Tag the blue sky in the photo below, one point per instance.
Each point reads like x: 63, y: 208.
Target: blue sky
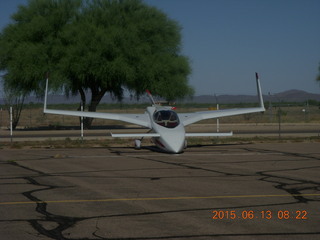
x: 227, y: 41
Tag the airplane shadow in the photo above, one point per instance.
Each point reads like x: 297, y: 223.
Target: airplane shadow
x: 126, y: 150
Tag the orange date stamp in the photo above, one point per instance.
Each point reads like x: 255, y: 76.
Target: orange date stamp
x: 265, y: 214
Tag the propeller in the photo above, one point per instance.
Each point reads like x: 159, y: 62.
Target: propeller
x: 151, y: 97
x: 158, y: 103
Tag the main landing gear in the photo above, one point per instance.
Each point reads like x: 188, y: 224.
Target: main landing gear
x: 137, y: 144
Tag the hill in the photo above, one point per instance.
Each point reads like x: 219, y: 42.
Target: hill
x: 286, y: 96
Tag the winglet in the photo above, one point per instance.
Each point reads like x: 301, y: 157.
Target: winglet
x: 45, y: 97
x: 259, y: 92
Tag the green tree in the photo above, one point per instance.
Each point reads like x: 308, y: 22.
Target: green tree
x: 93, y: 48
x: 28, y: 46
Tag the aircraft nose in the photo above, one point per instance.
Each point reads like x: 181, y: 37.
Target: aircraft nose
x: 178, y: 148
x: 175, y: 143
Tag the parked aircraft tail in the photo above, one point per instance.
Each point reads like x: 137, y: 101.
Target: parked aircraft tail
x: 259, y: 91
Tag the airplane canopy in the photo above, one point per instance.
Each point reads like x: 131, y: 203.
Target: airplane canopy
x: 166, y: 118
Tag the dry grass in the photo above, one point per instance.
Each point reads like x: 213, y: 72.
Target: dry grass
x: 34, y: 117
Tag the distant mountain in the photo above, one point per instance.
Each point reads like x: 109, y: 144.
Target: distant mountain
x: 297, y: 96
x: 287, y: 96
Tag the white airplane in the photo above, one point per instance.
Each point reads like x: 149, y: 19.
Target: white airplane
x: 167, y: 128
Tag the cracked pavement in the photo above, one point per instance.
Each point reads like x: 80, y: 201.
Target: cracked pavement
x: 122, y: 193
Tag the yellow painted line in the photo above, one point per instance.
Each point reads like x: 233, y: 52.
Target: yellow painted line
x: 157, y: 199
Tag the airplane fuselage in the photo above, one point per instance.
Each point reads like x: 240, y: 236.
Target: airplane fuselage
x: 167, y: 124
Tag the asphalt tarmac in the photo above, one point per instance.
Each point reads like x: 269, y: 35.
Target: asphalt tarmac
x: 243, y: 191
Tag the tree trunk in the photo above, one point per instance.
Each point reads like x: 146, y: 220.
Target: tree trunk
x: 16, y: 102
x: 83, y: 102
x: 96, y: 97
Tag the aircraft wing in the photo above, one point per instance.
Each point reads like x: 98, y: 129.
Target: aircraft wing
x: 213, y: 134
x: 189, y: 118
x: 134, y: 135
x: 139, y: 119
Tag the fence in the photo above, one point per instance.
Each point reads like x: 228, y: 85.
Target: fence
x: 33, y: 117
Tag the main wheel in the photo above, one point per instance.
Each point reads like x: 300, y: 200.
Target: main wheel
x: 137, y: 144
